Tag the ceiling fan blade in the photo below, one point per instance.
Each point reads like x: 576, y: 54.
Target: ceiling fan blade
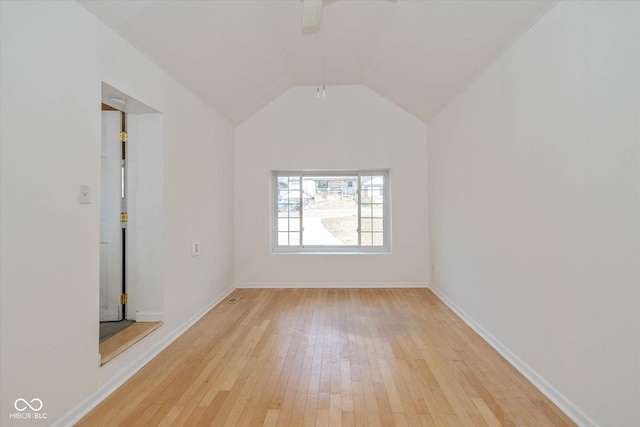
x: 311, y: 13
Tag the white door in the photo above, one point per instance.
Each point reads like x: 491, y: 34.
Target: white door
x: 110, y: 228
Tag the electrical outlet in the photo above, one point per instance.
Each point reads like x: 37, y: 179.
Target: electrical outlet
x: 195, y: 247
x: 84, y: 194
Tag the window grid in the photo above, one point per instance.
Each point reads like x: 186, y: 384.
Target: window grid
x: 372, y: 217
x: 296, y: 192
x: 287, y: 236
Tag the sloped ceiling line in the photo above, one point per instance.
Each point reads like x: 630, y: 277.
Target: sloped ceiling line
x: 241, y: 55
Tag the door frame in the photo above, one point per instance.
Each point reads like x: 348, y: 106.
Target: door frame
x: 144, y: 251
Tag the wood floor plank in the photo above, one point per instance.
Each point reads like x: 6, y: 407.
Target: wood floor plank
x: 328, y: 357
x: 488, y: 416
x: 335, y: 410
x: 271, y: 418
x: 322, y: 419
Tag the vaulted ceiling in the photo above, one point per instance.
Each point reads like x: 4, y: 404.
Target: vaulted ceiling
x: 240, y: 55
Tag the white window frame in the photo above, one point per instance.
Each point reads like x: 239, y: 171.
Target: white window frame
x: 328, y: 249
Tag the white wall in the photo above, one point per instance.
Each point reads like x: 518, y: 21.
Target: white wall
x: 50, y: 144
x: 534, y: 206
x: 352, y: 128
x: 198, y: 204
x: 54, y: 56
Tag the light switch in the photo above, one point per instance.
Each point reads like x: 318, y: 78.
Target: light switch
x: 195, y: 247
x: 84, y: 194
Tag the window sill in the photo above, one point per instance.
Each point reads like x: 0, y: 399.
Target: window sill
x: 320, y: 252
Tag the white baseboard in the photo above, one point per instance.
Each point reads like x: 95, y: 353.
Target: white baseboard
x: 561, y: 401
x: 80, y: 410
x: 336, y: 285
x: 149, y: 316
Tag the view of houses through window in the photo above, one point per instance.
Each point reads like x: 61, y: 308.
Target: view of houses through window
x: 342, y: 211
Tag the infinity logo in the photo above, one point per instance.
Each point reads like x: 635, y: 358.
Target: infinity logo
x: 22, y: 405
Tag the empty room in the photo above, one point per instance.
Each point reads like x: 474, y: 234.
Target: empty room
x: 320, y: 213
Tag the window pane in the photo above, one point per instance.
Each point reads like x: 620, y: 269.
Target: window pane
x: 330, y: 210
x: 366, y: 224
x: 283, y: 239
x: 378, y: 224
x: 366, y: 210
x: 294, y: 224
x: 378, y: 239
x: 366, y: 239
x: 294, y: 239
x: 283, y: 224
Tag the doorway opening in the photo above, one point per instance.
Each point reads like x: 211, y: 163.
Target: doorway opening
x: 113, y: 223
x: 131, y: 222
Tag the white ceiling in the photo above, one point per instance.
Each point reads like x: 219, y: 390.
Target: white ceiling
x: 240, y: 55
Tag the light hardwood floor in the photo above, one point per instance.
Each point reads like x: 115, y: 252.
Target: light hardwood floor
x: 328, y: 357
